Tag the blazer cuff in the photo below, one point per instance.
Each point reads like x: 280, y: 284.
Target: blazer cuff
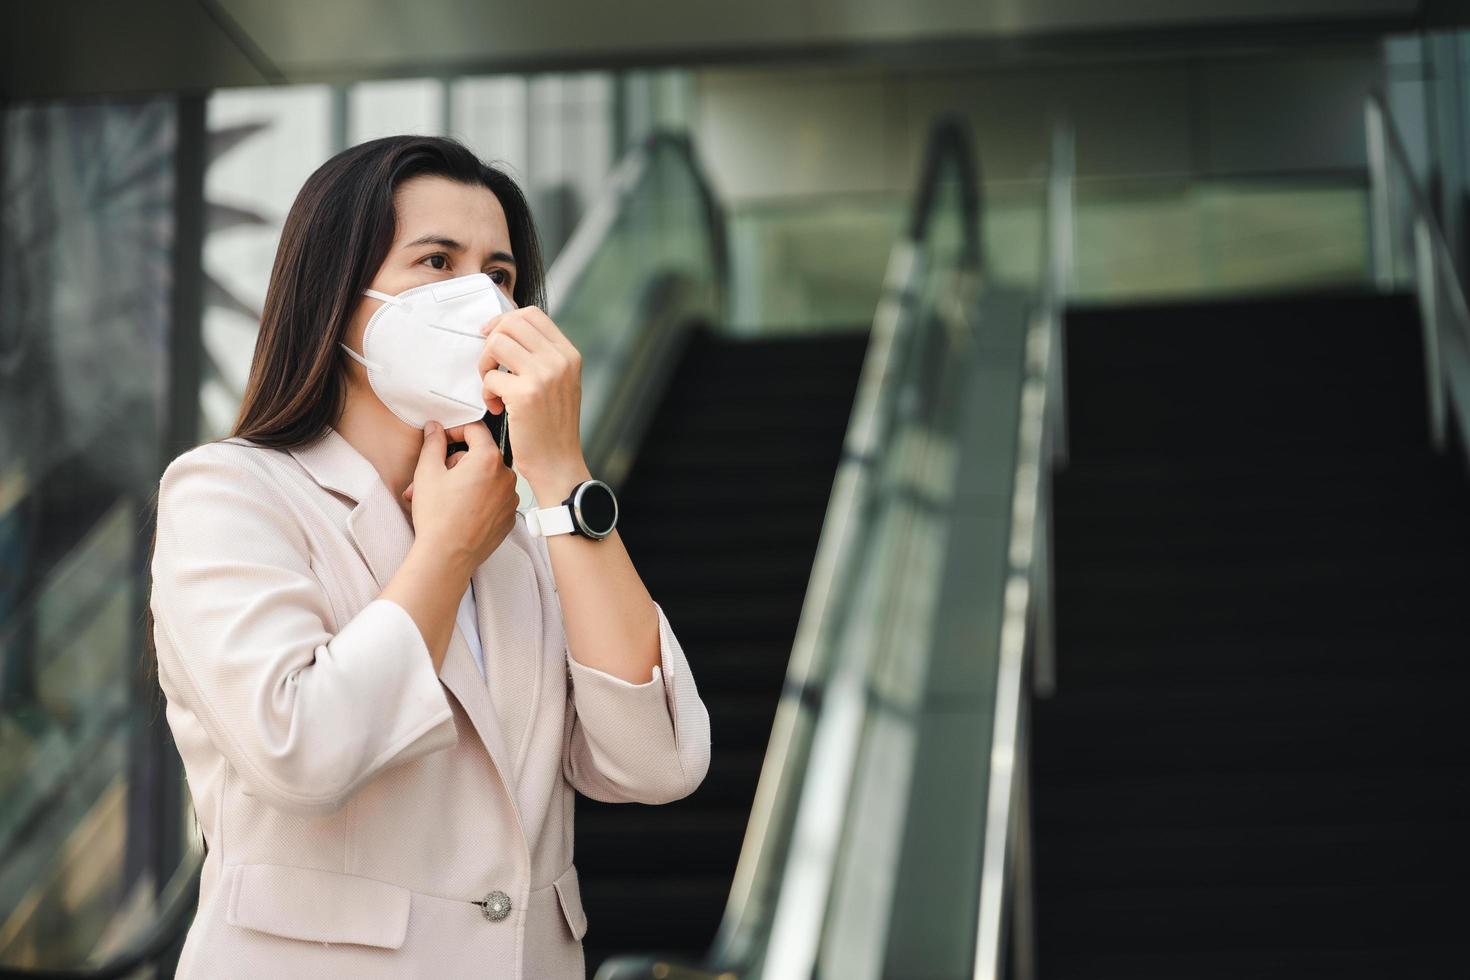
x: 618, y: 689
x: 664, y: 711
x: 424, y: 718
x: 387, y: 691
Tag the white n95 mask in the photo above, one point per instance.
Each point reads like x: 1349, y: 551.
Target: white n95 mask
x: 422, y: 349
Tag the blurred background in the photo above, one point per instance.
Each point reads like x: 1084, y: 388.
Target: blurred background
x: 1042, y: 421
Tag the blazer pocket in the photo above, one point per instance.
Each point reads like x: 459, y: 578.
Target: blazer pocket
x: 569, y: 891
x: 318, y: 906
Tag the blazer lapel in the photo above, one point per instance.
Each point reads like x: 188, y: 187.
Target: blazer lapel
x: 461, y: 675
x: 382, y: 535
x: 508, y: 612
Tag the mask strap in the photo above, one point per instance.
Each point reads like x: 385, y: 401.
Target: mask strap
x: 385, y: 297
x: 356, y: 356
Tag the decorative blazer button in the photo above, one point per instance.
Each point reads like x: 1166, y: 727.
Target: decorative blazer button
x: 495, y: 905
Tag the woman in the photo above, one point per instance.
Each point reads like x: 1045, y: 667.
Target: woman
x: 383, y: 686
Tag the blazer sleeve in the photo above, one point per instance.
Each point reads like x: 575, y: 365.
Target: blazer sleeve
x: 638, y: 743
x: 304, y: 715
x: 633, y: 743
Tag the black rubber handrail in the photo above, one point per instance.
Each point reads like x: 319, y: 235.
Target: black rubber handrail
x: 626, y: 176
x: 644, y: 359
x: 714, y: 211
x: 950, y: 141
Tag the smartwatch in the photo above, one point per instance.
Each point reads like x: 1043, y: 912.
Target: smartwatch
x: 591, y: 510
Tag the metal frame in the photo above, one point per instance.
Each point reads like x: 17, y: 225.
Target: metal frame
x: 1061, y: 206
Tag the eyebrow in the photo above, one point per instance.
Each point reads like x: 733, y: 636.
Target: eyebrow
x: 456, y: 246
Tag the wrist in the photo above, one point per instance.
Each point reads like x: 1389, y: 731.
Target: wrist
x: 552, y: 487
x: 450, y: 562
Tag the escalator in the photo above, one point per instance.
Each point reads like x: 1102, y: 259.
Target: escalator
x: 722, y: 509
x: 1252, y: 764
x: 737, y: 452
x: 1152, y: 667
x: 843, y: 625
x: 1249, y: 763
x: 1128, y: 645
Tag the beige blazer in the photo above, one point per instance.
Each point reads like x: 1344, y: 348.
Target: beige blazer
x: 365, y: 816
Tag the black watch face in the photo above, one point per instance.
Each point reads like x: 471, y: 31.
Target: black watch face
x: 598, y: 508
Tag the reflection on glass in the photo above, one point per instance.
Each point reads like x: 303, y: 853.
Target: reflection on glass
x: 812, y: 263
x: 657, y: 250
x: 1158, y: 237
x: 85, y: 265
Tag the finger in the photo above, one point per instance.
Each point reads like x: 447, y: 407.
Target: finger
x: 508, y: 350
x: 431, y: 453
x: 542, y: 321
x: 482, y: 443
x: 488, y: 361
x: 455, y: 457
x: 500, y: 386
x: 531, y: 336
x: 408, y: 493
x: 489, y: 324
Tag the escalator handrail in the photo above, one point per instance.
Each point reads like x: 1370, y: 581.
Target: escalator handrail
x: 1446, y: 350
x: 1395, y: 148
x: 614, y: 417
x: 566, y: 271
x: 949, y: 145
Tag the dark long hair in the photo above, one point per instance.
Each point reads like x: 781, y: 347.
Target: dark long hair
x: 336, y: 235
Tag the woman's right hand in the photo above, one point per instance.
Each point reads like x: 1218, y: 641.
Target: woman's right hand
x: 462, y: 508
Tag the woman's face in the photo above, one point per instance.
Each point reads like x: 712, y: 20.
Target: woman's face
x: 445, y: 229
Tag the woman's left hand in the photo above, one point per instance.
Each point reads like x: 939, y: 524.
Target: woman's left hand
x: 543, y: 390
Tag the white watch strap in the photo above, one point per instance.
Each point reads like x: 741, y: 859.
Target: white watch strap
x: 549, y: 520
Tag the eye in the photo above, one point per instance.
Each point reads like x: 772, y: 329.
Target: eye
x: 437, y: 261
x: 504, y: 276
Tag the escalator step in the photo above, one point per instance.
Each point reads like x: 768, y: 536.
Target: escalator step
x: 702, y: 841
x: 1252, y: 764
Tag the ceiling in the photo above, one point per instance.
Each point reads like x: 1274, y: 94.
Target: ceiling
x: 83, y: 48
